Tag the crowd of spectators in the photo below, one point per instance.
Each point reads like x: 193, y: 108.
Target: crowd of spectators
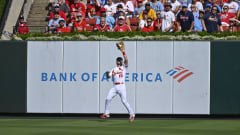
x: 144, y: 15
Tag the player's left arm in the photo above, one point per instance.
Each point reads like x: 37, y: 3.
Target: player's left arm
x: 125, y: 58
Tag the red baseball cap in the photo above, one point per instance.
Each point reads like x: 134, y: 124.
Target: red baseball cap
x: 139, y: 0
x: 102, y: 10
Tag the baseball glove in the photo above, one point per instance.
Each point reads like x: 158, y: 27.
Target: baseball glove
x: 120, y: 46
x: 108, y: 76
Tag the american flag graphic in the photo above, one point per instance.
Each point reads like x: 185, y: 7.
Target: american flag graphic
x: 180, y: 73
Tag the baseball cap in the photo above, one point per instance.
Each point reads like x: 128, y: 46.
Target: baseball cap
x: 102, y: 10
x: 139, y: 0
x: 121, y: 17
x: 21, y: 17
x: 56, y: 5
x: 79, y: 14
x: 209, y: 5
x: 119, y: 6
x: 184, y: 5
x: 62, y: 20
x: 147, y: 4
x: 168, y: 4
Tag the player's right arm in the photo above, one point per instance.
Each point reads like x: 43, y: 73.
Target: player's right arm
x: 110, y: 74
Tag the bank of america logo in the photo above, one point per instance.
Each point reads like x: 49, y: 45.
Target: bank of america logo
x: 179, y: 73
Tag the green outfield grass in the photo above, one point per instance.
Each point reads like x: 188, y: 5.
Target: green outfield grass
x: 118, y: 127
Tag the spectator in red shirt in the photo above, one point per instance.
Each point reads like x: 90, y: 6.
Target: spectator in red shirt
x: 80, y: 24
x: 158, y: 22
x: 121, y: 27
x: 22, y: 28
x: 148, y: 27
x: 57, y: 9
x: 102, y: 27
x: 225, y: 16
x: 93, y: 9
x: 77, y: 7
x: 62, y: 27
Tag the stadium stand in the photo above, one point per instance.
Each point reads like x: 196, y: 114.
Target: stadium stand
x: 43, y: 11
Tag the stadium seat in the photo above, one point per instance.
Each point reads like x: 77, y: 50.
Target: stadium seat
x: 91, y: 21
x: 134, y: 21
x: 225, y: 28
x: 89, y: 28
x: 133, y: 28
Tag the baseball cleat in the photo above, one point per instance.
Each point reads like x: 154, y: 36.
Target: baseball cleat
x: 104, y: 116
x: 131, y: 118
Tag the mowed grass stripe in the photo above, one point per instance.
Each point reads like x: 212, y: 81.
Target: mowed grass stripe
x: 117, y: 127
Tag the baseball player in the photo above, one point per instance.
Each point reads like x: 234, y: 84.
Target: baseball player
x: 119, y: 88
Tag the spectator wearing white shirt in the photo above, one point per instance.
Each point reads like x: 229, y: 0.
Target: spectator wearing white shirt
x: 233, y: 6
x: 128, y: 8
x: 175, y: 6
x: 168, y: 18
x: 198, y: 5
x: 110, y: 8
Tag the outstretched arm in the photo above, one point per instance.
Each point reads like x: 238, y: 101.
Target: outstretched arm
x: 125, y: 58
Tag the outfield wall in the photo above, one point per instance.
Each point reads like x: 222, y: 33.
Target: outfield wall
x: 164, y: 77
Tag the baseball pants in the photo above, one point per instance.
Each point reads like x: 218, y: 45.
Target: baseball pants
x: 121, y: 91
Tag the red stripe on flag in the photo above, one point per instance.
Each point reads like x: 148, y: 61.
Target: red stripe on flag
x: 185, y: 76
x: 177, y: 69
x: 177, y: 75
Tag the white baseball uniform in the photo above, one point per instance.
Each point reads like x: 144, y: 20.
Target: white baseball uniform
x: 118, y: 88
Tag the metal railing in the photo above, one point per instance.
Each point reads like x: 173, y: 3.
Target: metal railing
x: 5, y: 15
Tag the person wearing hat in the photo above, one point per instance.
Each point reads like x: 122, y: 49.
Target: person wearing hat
x: 168, y: 18
x: 149, y: 27
x: 208, y: 8
x: 226, y: 16
x: 151, y: 12
x: 186, y: 19
x: 110, y: 21
x: 139, y: 8
x: 54, y: 23
x: 121, y: 27
x: 156, y: 5
x: 80, y: 24
x: 198, y: 5
x: 57, y: 10
x: 102, y: 27
x: 212, y: 21
x: 110, y: 8
x: 119, y: 10
x: 62, y: 27
x: 22, y: 26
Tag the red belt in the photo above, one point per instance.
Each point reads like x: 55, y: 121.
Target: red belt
x: 117, y: 83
